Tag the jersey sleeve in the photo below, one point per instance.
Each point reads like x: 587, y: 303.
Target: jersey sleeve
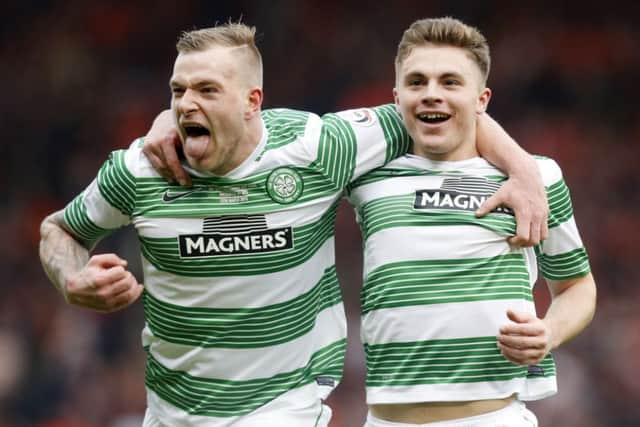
x: 562, y: 256
x: 107, y: 203
x: 354, y: 142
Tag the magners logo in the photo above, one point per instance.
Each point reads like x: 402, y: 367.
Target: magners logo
x: 465, y: 193
x: 235, y: 235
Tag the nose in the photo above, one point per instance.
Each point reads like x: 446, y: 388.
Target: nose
x: 432, y: 93
x: 187, y: 102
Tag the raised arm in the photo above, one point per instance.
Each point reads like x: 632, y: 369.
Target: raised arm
x: 161, y: 147
x: 100, y: 282
x: 523, y: 192
x: 529, y: 339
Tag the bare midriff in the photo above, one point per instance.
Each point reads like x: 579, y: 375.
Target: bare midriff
x: 429, y: 412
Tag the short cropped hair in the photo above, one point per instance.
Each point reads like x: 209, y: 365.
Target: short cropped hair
x: 231, y: 34
x: 446, y: 31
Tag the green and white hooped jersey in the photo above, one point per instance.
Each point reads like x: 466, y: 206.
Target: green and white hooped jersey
x: 438, y: 281
x: 241, y: 299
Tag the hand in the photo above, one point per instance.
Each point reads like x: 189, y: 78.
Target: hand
x: 160, y: 147
x: 528, y: 200
x: 527, y: 341
x: 103, y: 285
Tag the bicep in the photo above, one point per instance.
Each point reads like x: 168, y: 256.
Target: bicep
x: 55, y: 224
x: 584, y: 284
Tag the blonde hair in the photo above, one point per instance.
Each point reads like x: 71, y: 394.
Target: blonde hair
x: 231, y: 34
x: 446, y: 31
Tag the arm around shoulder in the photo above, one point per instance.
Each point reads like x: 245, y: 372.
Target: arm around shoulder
x: 161, y: 147
x: 524, y: 192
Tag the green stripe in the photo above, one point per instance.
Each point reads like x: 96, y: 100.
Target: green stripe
x: 423, y: 282
x: 443, y: 361
x: 336, y: 151
x: 76, y: 217
x: 564, y: 266
x: 395, y: 134
x: 284, y: 126
x: 560, y: 208
x: 398, y: 211
x: 242, y: 327
x: 117, y: 185
x: 164, y: 253
x: 225, y: 398
x: 210, y: 195
x: 390, y: 171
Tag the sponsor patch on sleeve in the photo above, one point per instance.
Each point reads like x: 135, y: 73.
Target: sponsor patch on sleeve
x: 360, y: 117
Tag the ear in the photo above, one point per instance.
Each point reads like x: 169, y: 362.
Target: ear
x: 483, y: 100
x: 254, y: 103
x: 396, y: 100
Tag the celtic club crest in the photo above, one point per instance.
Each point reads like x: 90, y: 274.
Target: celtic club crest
x: 284, y: 185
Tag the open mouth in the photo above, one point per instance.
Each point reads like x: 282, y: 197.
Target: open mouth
x: 196, y: 141
x: 433, y: 118
x: 195, y: 130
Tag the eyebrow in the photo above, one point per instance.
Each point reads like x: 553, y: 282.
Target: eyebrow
x: 198, y: 84
x: 452, y: 74
x: 445, y: 75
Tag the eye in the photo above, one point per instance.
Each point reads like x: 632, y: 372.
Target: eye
x: 451, y: 82
x: 209, y: 90
x: 416, y: 81
x: 177, y: 91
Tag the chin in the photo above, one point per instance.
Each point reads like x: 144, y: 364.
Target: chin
x: 433, y: 146
x: 196, y: 164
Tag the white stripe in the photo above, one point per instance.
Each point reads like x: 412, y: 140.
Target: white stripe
x: 550, y: 171
x: 439, y: 321
x: 371, y: 146
x: 138, y: 164
x: 531, y: 389
x: 301, y: 153
x: 245, y: 364
x: 100, y: 211
x: 399, y: 244
x: 563, y: 238
x: 159, y: 228
x: 395, y: 186
x: 295, y: 408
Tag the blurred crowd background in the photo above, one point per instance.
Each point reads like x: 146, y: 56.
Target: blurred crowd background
x: 82, y: 77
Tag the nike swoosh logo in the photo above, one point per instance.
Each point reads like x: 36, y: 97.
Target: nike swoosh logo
x: 169, y: 196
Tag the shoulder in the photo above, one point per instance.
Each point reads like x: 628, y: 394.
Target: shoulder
x: 286, y: 118
x: 286, y: 127
x: 549, y: 170
x: 134, y: 161
x: 363, y: 117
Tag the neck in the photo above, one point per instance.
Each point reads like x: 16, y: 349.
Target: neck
x: 462, y: 152
x: 245, y: 145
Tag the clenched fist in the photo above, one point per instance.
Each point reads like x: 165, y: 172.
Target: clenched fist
x: 104, y: 284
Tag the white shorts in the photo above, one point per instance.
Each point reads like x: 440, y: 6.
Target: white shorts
x: 291, y: 409
x: 515, y: 414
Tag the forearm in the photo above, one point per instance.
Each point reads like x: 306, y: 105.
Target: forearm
x: 498, y: 148
x: 571, y: 310
x: 61, y: 254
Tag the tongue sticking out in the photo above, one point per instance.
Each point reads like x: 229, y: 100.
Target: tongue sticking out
x: 195, y: 146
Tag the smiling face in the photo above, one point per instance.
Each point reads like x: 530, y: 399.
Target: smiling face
x: 439, y: 93
x: 215, y: 105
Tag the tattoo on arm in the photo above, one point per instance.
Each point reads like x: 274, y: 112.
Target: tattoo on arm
x: 61, y: 253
